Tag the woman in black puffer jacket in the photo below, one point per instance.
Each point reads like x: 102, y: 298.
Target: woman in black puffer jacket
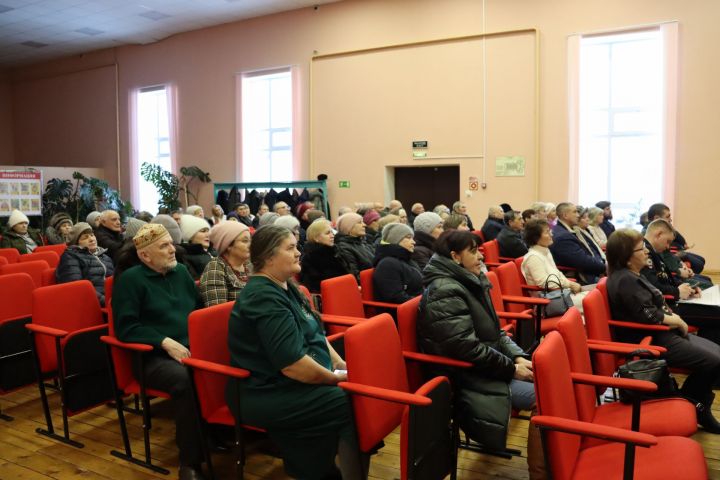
x: 84, y: 260
x: 396, y: 278
x: 320, y: 259
x: 456, y: 319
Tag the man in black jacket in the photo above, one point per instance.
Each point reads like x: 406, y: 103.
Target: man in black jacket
x: 510, y: 241
x: 606, y: 226
x: 109, y: 234
x: 494, y: 223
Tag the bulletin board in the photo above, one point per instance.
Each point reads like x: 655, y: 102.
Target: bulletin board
x: 21, y: 190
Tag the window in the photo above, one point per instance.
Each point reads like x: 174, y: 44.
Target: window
x: 152, y: 134
x: 622, y: 121
x: 267, y: 127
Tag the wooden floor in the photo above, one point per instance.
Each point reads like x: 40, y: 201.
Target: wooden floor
x: 24, y: 454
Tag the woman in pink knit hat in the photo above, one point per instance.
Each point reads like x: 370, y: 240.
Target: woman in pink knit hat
x: 226, y: 275
x: 352, y: 248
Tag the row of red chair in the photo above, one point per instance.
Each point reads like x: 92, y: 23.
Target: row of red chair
x: 50, y: 253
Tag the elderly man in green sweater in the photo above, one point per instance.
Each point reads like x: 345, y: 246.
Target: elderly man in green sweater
x: 151, y: 303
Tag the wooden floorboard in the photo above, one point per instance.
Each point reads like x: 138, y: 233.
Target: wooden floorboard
x: 25, y: 454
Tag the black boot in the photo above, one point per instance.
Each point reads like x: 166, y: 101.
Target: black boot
x: 705, y: 417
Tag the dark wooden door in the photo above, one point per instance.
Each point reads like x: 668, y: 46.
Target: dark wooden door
x: 428, y: 185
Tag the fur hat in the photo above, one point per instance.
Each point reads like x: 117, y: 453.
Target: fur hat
x: 170, y: 225
x: 192, y: 209
x: 58, y: 219
x: 347, y: 221
x: 77, y: 230
x: 287, y: 221
x: 223, y: 234
x: 395, y: 232
x: 92, y: 217
x: 267, y: 219
x: 370, y: 217
x: 149, y: 234
x: 426, y: 222
x: 133, y: 226
x: 190, y: 225
x: 17, y: 217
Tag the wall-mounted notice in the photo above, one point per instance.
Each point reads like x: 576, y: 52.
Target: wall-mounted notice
x: 510, y: 166
x: 21, y: 190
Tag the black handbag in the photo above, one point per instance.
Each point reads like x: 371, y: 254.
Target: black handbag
x: 560, y: 300
x: 651, y: 369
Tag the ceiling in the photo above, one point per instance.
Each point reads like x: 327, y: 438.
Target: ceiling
x: 37, y: 30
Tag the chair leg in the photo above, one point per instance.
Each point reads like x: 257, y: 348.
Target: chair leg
x: 455, y: 433
x: 202, y: 427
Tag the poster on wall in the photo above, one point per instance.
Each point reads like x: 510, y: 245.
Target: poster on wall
x: 21, y: 190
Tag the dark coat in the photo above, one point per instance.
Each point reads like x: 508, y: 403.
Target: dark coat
x: 10, y: 239
x: 396, y: 278
x: 372, y: 237
x: 424, y: 249
x: 658, y: 274
x: 491, y: 228
x: 77, y: 263
x: 110, y: 240
x: 511, y: 243
x: 196, y: 258
x: 456, y: 319
x: 319, y: 262
x: 569, y: 252
x: 607, y: 227
x: 355, y: 253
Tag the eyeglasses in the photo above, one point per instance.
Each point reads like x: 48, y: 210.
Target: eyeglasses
x: 641, y: 249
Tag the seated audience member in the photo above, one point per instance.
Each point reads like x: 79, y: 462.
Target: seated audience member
x: 228, y: 273
x: 262, y: 210
x: 355, y: 253
x: 396, y: 278
x: 455, y: 222
x: 292, y: 224
x: 529, y: 214
x: 456, y: 319
x: 371, y: 219
x: 538, y: 263
x: 606, y: 224
x: 392, y: 205
x: 58, y: 232
x: 493, y: 224
x: 552, y: 216
x: 218, y: 214
x: 583, y: 234
x: 633, y: 298
x: 268, y: 219
x: 401, y: 214
x: 313, y: 215
x: 195, y: 211
x: 643, y: 220
x: 320, y: 259
x: 596, y: 217
x: 133, y: 226
x: 428, y: 227
x: 109, y: 234
x: 658, y: 238
x: 281, y: 208
x: 292, y: 392
x: 84, y: 260
x: 697, y: 262
x: 19, y: 235
x: 442, y: 210
x: 510, y: 241
x: 151, y: 303
x: 93, y: 219
x: 302, y: 210
x: 175, y: 214
x: 415, y: 210
x: 460, y: 208
x: 569, y: 252
x: 196, y: 243
x: 384, y: 222
x: 540, y: 209
x: 144, y: 216
x: 343, y: 210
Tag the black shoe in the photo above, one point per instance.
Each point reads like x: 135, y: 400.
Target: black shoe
x: 187, y: 472
x: 706, y: 419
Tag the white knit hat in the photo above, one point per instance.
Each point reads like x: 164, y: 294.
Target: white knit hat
x: 190, y: 225
x: 17, y: 217
x: 426, y: 222
x: 192, y: 209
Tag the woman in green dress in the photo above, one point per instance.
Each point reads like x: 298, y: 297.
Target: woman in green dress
x: 292, y: 390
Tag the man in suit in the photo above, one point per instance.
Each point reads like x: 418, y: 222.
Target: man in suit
x: 567, y: 249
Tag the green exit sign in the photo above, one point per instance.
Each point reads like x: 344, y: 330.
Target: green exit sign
x: 344, y: 184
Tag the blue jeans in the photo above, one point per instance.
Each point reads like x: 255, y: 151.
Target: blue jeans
x: 522, y: 394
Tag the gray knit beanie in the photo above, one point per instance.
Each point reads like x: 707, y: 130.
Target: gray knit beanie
x: 170, y: 225
x: 92, y: 217
x: 395, y: 232
x: 132, y: 227
x: 268, y: 219
x: 426, y: 222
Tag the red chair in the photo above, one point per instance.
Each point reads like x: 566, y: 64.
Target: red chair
x: 10, y: 254
x: 35, y: 269
x: 662, y: 417
x: 48, y: 277
x: 109, y: 281
x: 367, y: 293
x: 52, y: 258
x: 3, y: 261
x: 210, y: 369
x: 59, y: 248
x: 16, y: 360
x: 563, y: 431
x: 491, y: 251
x: 66, y: 328
x: 341, y: 297
x: 382, y: 400
x: 479, y: 234
x: 507, y: 319
x: 120, y: 358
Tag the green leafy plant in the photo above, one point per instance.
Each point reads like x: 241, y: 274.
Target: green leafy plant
x: 170, y: 186
x: 188, y: 174
x: 87, y: 194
